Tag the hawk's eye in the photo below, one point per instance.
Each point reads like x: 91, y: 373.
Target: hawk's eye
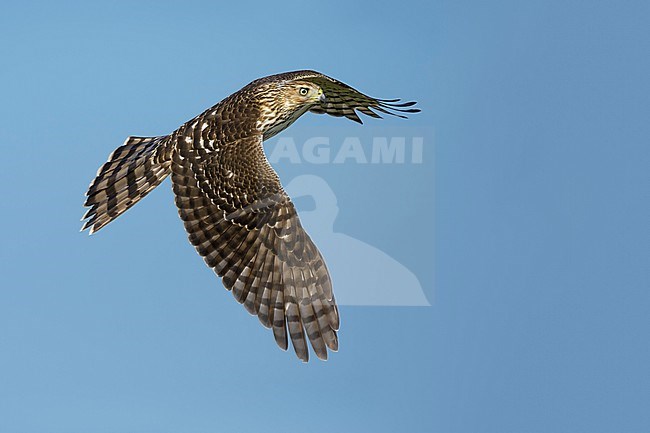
x: 303, y: 91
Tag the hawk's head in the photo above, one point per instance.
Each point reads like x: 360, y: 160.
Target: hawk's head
x: 282, y: 98
x: 298, y: 94
x: 282, y: 102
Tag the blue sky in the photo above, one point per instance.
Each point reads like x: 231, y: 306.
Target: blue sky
x: 526, y: 224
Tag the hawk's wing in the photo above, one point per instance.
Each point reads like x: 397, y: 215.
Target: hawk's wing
x: 343, y: 100
x: 245, y: 227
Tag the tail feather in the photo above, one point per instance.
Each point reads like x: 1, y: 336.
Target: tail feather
x: 132, y: 171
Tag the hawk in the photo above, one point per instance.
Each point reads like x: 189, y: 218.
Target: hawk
x: 232, y: 204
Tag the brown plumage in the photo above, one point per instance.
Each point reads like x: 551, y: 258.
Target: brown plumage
x: 232, y: 204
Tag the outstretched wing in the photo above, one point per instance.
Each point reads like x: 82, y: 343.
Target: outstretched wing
x: 245, y: 227
x: 343, y: 100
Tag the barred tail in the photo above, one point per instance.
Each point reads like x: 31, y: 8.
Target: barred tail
x: 132, y: 171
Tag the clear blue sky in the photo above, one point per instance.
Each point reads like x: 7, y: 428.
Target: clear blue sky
x: 526, y: 224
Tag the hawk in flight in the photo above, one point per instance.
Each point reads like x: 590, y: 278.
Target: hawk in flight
x: 232, y: 204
